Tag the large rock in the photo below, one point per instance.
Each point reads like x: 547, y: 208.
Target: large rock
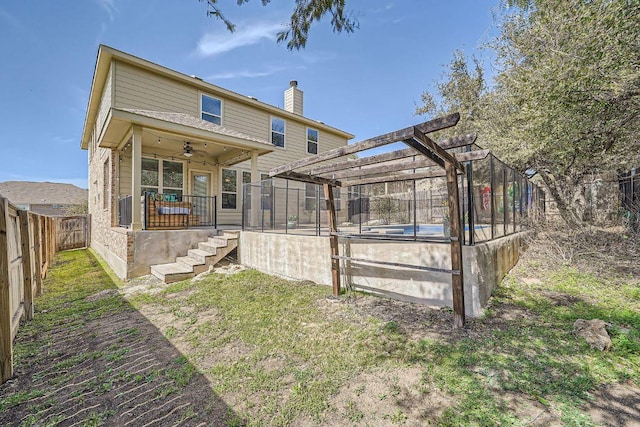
x: 594, y: 331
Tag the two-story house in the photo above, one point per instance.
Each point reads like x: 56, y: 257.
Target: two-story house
x: 168, y: 154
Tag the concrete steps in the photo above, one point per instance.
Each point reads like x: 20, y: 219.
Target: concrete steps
x: 197, y: 260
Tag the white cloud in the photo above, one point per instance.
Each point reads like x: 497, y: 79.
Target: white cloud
x: 110, y: 7
x: 62, y: 140
x: 221, y: 41
x: 244, y: 74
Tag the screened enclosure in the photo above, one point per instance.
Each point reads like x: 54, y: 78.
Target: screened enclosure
x: 495, y: 201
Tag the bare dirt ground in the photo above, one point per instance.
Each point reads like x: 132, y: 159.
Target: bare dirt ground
x: 108, y: 368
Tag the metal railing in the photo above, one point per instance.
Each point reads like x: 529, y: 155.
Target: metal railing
x: 171, y: 211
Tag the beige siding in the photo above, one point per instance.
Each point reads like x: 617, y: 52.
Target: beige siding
x: 105, y: 102
x: 124, y: 182
x: 295, y: 148
x: 250, y: 121
x: 138, y: 88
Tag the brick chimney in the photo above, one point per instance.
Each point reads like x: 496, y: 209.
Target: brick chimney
x: 293, y: 98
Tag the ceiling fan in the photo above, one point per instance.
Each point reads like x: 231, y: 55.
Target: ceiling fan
x: 189, y: 151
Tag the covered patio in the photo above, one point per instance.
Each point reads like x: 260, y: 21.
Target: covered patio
x: 169, y: 168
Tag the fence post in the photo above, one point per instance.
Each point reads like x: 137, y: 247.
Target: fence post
x: 37, y: 248
x: 27, y: 274
x: 6, y: 340
x: 333, y: 239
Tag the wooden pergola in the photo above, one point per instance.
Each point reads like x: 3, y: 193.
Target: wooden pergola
x: 424, y: 158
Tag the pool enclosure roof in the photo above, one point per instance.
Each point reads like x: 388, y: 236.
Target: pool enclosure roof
x: 424, y: 158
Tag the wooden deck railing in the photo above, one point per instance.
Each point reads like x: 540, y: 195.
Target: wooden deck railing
x: 27, y: 247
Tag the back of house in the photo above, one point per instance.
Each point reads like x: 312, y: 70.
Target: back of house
x: 169, y: 151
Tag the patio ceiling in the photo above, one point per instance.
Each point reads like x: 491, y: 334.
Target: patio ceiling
x: 167, y: 133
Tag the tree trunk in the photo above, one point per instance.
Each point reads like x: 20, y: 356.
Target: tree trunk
x: 563, y: 193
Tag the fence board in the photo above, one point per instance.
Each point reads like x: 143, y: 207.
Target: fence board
x: 27, y: 247
x: 6, y: 340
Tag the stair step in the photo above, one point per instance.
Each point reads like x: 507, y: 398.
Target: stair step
x: 212, y: 248
x: 221, y: 241
x: 172, y: 272
x: 196, y: 265
x: 200, y: 255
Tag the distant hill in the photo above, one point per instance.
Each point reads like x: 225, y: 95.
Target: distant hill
x: 46, y: 198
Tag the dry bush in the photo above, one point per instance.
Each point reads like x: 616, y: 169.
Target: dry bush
x: 604, y: 250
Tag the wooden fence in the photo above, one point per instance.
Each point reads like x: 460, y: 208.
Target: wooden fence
x: 72, y: 232
x: 27, y: 247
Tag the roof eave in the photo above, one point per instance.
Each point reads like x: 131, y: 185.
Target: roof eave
x: 106, y: 54
x: 181, y: 129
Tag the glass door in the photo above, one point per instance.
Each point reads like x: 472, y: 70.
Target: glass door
x: 202, y: 200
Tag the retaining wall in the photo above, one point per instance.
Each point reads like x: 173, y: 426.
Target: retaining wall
x: 308, y: 258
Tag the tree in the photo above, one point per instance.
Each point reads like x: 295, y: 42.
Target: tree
x: 566, y: 100
x: 568, y: 96
x: 461, y: 90
x: 304, y: 14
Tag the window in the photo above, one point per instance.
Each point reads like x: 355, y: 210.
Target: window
x: 310, y: 191
x: 277, y: 132
x: 229, y: 189
x: 312, y: 141
x: 211, y: 109
x: 162, y: 176
x: 314, y: 192
x: 105, y: 184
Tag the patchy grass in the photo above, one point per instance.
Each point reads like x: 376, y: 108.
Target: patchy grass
x: 284, y: 353
x: 89, y: 358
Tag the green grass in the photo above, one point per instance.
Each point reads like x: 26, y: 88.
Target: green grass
x: 539, y: 360
x: 281, y: 352
x: 64, y: 310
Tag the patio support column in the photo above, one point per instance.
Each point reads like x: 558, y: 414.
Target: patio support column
x: 136, y: 178
x: 256, y: 205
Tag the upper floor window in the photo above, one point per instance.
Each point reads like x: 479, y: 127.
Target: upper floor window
x: 211, y: 109
x: 312, y: 141
x: 277, y: 132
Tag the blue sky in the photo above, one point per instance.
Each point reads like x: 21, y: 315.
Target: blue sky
x: 366, y: 83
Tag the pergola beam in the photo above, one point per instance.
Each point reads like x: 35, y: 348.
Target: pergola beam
x: 383, y: 169
x: 448, y: 143
x: 312, y: 179
x: 367, y: 144
x: 365, y: 161
x: 471, y: 155
x: 403, y: 176
x: 429, y: 148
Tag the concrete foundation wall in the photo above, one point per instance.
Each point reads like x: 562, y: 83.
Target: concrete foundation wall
x: 308, y: 258
x: 293, y: 257
x: 162, y: 246
x: 146, y: 248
